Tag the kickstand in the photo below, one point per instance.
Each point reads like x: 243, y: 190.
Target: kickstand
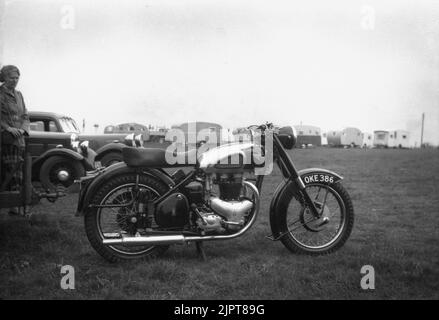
x: 200, y: 250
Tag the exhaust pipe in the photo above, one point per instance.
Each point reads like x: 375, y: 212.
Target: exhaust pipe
x: 153, y: 240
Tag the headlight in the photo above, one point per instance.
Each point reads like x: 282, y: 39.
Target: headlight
x: 139, y: 140
x: 74, y: 141
x: 83, y: 146
x: 129, y: 140
x: 288, y: 137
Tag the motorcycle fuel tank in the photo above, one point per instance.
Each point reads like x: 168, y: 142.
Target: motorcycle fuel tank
x: 229, y: 156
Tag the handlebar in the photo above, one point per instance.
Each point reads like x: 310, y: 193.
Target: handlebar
x: 262, y: 127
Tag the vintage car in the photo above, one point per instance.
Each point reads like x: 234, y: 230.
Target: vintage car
x: 108, y: 147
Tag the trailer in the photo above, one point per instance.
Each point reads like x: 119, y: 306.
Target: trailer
x: 399, y: 139
x: 308, y: 136
x: 348, y: 136
x: 381, y: 138
x: 391, y: 139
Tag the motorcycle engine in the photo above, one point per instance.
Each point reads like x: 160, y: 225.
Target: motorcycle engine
x: 221, y: 205
x: 227, y: 209
x: 230, y: 185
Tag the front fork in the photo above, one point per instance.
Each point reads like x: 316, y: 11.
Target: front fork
x: 289, y: 171
x: 316, y: 212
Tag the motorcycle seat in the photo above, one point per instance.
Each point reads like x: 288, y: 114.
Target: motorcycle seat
x: 158, y: 158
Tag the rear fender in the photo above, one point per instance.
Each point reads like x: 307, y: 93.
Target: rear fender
x: 90, y: 185
x: 286, y: 189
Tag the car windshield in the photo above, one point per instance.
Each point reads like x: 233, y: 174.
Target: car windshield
x: 68, y: 125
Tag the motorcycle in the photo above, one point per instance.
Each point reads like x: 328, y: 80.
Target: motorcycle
x: 135, y: 208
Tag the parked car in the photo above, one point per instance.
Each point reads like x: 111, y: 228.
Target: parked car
x: 108, y: 147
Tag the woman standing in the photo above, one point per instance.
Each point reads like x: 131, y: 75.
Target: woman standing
x: 14, y: 126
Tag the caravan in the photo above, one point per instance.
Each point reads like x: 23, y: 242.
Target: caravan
x: 399, y: 139
x: 391, y: 139
x: 308, y: 135
x: 381, y: 138
x: 346, y: 137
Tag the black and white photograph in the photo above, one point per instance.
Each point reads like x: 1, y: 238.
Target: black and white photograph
x: 219, y: 154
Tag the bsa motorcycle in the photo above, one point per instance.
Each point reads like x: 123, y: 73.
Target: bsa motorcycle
x: 135, y: 208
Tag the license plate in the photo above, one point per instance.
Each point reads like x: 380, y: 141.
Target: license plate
x: 318, y: 178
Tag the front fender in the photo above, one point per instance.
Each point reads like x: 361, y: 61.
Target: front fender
x: 285, y: 191
x: 88, y: 189
x: 64, y: 152
x: 318, y: 175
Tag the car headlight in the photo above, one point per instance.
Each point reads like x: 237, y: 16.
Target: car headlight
x: 138, y: 140
x: 83, y: 146
x: 74, y: 141
x: 129, y: 140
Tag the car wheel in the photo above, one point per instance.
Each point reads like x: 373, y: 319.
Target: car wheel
x: 111, y: 158
x: 60, y: 171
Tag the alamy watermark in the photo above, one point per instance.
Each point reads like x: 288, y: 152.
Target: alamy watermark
x: 368, y: 280
x: 254, y: 147
x: 68, y: 279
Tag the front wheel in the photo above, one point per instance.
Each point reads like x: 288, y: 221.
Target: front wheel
x: 301, y: 232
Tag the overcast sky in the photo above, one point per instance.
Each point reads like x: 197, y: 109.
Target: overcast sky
x: 368, y: 64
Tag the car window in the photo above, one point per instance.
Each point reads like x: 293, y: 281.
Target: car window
x: 68, y: 125
x: 36, y: 126
x: 52, y: 126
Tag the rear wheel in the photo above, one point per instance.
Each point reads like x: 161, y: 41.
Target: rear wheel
x: 101, y: 223
x: 302, y: 232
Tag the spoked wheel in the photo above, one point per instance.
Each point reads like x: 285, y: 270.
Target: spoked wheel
x: 114, y: 222
x: 302, y: 232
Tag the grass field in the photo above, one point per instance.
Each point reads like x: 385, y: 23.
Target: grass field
x: 396, y: 201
